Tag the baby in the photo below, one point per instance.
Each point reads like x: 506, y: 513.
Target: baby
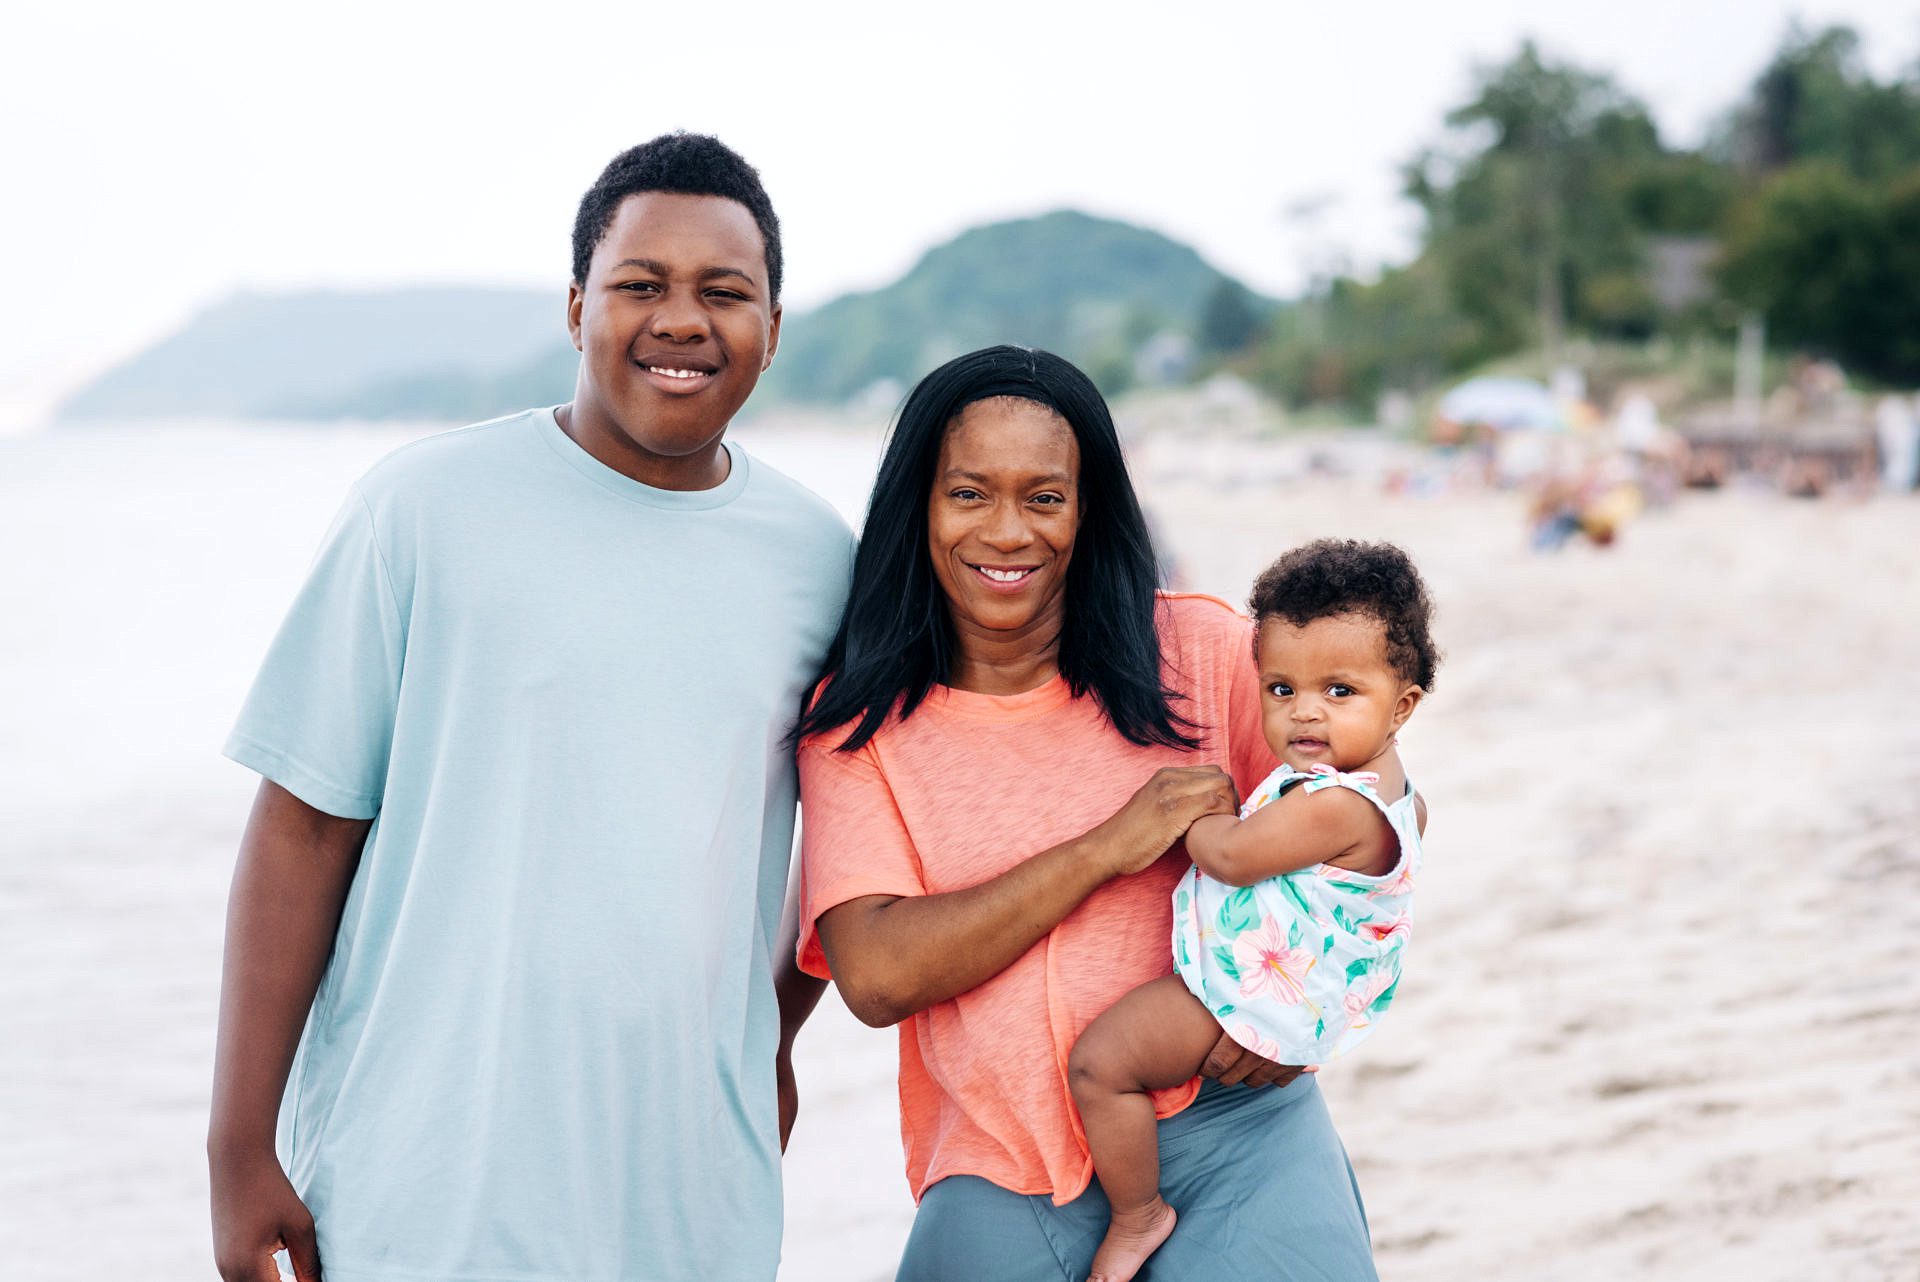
x: 1288, y: 930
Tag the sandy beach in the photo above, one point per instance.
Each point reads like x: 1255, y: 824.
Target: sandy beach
x: 1660, y: 1019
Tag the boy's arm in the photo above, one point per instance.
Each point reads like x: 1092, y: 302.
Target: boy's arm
x: 1298, y: 831
x: 291, y: 880
x: 798, y: 993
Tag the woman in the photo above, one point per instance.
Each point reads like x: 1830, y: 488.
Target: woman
x: 1009, y: 738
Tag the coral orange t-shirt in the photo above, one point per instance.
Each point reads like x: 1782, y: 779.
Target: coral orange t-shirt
x: 965, y: 789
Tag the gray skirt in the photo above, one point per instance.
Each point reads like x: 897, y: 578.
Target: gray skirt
x: 1259, y: 1178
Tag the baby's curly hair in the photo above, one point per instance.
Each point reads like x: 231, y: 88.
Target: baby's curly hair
x: 1329, y: 577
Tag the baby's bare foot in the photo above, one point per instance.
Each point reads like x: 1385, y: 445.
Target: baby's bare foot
x: 1131, y: 1238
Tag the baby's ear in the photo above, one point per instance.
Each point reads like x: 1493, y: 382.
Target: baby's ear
x: 1409, y: 700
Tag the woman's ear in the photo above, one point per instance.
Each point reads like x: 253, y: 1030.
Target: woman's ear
x: 1409, y: 700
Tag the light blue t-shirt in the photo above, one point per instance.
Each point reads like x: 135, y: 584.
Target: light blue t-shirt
x: 543, y: 1047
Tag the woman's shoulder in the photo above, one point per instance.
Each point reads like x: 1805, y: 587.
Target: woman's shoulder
x: 1197, y: 625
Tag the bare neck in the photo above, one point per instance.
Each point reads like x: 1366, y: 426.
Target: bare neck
x: 704, y: 469
x: 999, y: 662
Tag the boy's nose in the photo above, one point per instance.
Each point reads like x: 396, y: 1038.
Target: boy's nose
x: 677, y: 321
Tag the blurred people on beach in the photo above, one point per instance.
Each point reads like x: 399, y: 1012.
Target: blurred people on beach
x: 1896, y: 426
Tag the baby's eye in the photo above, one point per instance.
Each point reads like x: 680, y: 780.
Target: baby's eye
x: 1339, y: 691
x: 1280, y: 690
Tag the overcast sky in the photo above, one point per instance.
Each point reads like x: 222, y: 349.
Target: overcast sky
x: 163, y: 156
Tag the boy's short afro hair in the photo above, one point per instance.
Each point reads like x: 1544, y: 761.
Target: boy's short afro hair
x: 692, y: 164
x: 1330, y: 577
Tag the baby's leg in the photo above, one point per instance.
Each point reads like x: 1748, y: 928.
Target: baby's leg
x: 1155, y: 1037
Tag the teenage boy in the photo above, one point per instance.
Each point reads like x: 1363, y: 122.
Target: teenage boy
x: 517, y: 859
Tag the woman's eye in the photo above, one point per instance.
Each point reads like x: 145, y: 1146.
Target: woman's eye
x: 1049, y: 500
x: 966, y: 495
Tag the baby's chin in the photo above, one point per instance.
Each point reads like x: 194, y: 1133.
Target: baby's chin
x: 1303, y: 760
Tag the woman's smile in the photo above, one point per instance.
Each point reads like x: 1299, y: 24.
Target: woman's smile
x: 1005, y: 578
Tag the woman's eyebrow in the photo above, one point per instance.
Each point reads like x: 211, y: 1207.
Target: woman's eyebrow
x: 1047, y: 478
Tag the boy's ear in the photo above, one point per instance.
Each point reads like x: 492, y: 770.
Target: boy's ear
x: 576, y: 297
x: 1409, y: 700
x: 773, y: 336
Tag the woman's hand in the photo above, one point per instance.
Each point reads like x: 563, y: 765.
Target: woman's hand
x: 1160, y: 812
x: 1229, y: 1063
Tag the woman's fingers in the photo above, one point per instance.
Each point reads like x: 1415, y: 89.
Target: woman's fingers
x: 1229, y: 1062
x: 1232, y: 1064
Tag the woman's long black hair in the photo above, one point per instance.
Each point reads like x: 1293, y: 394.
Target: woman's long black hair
x: 896, y: 641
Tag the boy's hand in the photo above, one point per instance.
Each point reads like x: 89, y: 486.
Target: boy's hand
x: 255, y: 1213
x: 789, y: 1094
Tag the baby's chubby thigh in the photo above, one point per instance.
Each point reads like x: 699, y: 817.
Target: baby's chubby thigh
x: 1263, y: 1188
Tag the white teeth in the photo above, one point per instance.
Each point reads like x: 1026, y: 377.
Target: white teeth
x: 676, y: 373
x: 1003, y: 576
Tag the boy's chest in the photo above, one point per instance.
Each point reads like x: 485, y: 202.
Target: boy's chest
x: 639, y: 626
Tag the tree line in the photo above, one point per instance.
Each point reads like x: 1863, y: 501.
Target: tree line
x: 1555, y: 211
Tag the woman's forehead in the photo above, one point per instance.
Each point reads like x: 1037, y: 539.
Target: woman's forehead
x: 1009, y: 432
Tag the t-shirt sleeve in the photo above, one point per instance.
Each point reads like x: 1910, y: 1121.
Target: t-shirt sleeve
x: 319, y: 719
x: 853, y: 840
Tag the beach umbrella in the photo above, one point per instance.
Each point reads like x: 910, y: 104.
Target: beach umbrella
x: 1504, y: 404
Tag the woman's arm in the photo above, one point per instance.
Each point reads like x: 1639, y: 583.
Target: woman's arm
x: 1298, y: 831
x: 894, y: 956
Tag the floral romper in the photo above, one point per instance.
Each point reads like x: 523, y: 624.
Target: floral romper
x: 1297, y: 968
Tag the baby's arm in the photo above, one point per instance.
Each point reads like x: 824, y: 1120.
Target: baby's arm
x: 1297, y: 831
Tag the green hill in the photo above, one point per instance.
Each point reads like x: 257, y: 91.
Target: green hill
x: 1092, y: 289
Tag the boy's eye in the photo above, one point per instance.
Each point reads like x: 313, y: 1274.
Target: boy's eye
x: 1339, y: 691
x: 1280, y: 690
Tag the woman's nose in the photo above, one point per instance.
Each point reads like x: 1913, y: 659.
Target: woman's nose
x: 1006, y: 528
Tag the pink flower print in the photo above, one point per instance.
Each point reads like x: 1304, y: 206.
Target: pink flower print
x: 1249, y: 1036
x: 1381, y: 931
x: 1360, y: 998
x: 1269, y: 966
x: 1401, y: 883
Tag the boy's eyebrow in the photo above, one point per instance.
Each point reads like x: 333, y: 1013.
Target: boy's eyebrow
x: 659, y: 268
